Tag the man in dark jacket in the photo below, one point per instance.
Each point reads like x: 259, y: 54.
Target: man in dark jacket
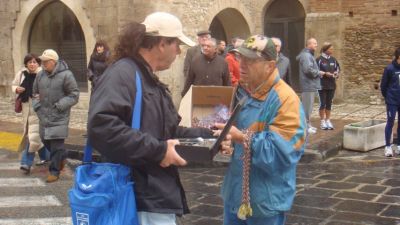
x: 208, y: 68
x: 202, y: 37
x: 390, y: 88
x: 150, y: 151
x: 55, y: 91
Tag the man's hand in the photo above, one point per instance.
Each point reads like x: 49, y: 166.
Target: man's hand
x: 236, y: 134
x: 19, y: 90
x: 171, y: 156
x: 226, y: 145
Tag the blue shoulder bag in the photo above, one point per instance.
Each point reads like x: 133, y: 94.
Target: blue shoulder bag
x: 103, y: 192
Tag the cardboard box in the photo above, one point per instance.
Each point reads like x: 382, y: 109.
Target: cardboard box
x: 203, y: 150
x: 200, y: 101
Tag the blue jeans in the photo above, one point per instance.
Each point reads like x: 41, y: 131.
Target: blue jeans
x: 148, y: 218
x: 232, y: 219
x: 28, y: 157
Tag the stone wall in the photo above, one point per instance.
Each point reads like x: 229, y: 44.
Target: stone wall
x: 8, y: 9
x: 371, y: 24
x: 368, y: 49
x: 370, y: 37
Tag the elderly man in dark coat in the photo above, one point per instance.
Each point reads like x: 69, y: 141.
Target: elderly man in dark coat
x: 55, y: 91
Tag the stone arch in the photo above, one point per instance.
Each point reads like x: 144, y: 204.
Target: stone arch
x: 28, y: 11
x: 285, y: 19
x: 234, y: 6
x: 229, y: 23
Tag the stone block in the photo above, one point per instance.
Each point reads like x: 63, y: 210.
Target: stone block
x: 364, y: 136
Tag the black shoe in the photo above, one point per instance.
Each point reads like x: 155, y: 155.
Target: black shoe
x: 41, y: 163
x: 25, y: 169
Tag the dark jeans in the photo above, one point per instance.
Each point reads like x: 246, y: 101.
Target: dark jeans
x: 325, y: 99
x: 57, y: 155
x: 391, y: 116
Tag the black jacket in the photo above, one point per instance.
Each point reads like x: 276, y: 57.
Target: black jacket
x: 390, y: 84
x: 328, y: 64
x: 97, y: 66
x: 157, y: 189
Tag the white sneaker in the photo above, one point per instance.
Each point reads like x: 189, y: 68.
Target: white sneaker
x: 329, y: 125
x: 310, y: 130
x: 311, y: 127
x: 398, y: 150
x: 324, y: 125
x: 388, y: 151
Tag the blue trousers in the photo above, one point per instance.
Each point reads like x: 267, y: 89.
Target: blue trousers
x: 28, y: 157
x: 391, y: 116
x: 232, y: 219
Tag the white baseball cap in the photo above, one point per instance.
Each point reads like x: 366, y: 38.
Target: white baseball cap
x: 49, y: 54
x: 165, y: 25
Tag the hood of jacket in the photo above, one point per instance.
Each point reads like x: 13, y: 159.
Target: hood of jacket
x: 60, y: 67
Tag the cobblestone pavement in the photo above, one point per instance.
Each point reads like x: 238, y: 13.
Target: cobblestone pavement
x: 351, y: 188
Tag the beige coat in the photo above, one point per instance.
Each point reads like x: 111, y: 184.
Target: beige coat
x: 30, y: 119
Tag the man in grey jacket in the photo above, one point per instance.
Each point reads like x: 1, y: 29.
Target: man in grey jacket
x: 55, y: 91
x: 283, y: 62
x: 310, y: 79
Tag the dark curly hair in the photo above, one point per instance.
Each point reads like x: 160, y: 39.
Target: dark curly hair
x: 31, y: 56
x: 100, y: 43
x: 132, y: 38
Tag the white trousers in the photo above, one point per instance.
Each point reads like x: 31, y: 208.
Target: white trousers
x: 148, y: 218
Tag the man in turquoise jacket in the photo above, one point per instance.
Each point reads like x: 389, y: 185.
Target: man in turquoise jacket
x: 269, y: 139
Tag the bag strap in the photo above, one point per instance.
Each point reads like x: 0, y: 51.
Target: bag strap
x: 87, y: 156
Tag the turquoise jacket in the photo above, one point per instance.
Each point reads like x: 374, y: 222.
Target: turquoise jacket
x: 275, y: 113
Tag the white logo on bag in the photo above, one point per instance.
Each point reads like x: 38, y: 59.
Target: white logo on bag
x: 85, y: 187
x: 82, y: 218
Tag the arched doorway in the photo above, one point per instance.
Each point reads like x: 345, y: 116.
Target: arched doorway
x: 56, y: 27
x: 229, y: 23
x: 285, y: 19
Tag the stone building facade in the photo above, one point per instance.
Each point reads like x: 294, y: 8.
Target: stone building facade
x: 364, y: 32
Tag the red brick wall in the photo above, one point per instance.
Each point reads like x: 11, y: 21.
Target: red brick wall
x: 370, y: 38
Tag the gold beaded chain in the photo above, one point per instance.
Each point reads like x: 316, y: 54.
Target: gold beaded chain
x: 245, y: 209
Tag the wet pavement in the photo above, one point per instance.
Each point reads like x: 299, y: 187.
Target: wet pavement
x: 334, y: 186
x: 350, y: 188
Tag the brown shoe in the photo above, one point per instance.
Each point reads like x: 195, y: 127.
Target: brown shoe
x: 62, y: 165
x: 51, y: 178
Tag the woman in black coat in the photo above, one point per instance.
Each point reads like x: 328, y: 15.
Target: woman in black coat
x: 98, y: 61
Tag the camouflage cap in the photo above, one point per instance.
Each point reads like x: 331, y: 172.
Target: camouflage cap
x: 258, y: 46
